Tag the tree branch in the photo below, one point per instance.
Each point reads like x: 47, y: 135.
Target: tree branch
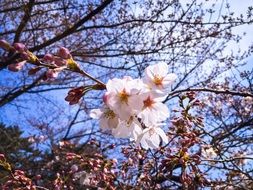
x: 234, y: 93
x: 74, y: 27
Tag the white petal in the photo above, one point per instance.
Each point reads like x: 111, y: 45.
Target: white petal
x: 144, y: 144
x: 122, y: 131
x: 136, y: 131
x: 114, y: 85
x: 162, y: 134
x: 163, y: 111
x: 103, y: 123
x: 155, y: 140
x: 169, y: 79
x: 141, y: 136
x: 136, y: 102
x: 150, y: 141
x: 162, y: 69
x: 96, y: 113
x: 149, y: 75
x: 113, y: 123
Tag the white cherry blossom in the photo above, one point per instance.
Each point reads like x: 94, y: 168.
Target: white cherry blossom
x: 157, y: 77
x: 208, y: 152
x: 108, y: 120
x: 127, y: 129
x: 152, y: 137
x: 123, y: 96
x: 133, y: 107
x: 153, y: 111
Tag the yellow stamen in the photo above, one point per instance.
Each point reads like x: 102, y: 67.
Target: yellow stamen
x: 109, y: 114
x: 148, y: 102
x: 123, y: 96
x: 158, y: 80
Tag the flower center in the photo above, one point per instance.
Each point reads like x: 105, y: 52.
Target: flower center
x: 158, y: 80
x: 123, y: 96
x: 109, y: 114
x: 148, y: 102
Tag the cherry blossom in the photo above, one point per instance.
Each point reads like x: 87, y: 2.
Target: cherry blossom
x: 157, y: 77
x: 127, y: 129
x: 153, y: 110
x: 152, y: 137
x: 208, y: 152
x: 108, y: 120
x: 133, y: 107
x: 123, y: 96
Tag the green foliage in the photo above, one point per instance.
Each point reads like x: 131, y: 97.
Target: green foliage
x: 18, y: 151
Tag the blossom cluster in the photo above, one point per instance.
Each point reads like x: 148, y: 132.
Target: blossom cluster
x: 133, y: 108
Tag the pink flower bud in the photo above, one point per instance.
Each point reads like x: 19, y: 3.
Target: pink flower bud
x: 60, y: 62
x: 105, y: 170
x: 64, y: 53
x: 48, y: 58
x: 71, y: 156
x: 15, y: 67
x: 139, y: 156
x: 25, y: 56
x: 2, y: 157
x: 19, y: 47
x: 19, y: 172
x: 31, y: 139
x: 38, y: 177
x: 74, y: 168
x: 130, y: 161
x: 52, y: 73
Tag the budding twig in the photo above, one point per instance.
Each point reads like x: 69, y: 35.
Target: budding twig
x: 235, y: 93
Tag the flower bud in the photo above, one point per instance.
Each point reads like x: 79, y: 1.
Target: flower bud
x: 74, y: 95
x: 64, y: 53
x: 19, y: 47
x: 2, y: 157
x: 15, y: 67
x: 52, y: 73
x: 25, y: 56
x: 130, y: 161
x: 105, y: 170
x: 38, y: 177
x: 48, y: 58
x: 60, y: 62
x: 19, y: 172
x: 74, y: 168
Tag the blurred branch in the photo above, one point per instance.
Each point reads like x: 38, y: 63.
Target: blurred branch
x: 234, y: 93
x: 11, y: 96
x: 74, y: 27
x: 25, y: 19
